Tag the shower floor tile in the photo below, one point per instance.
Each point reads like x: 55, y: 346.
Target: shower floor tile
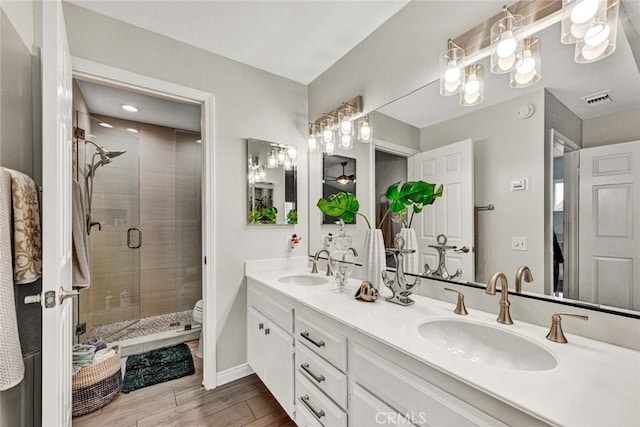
x: 119, y: 331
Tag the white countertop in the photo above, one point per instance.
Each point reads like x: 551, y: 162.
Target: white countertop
x: 594, y: 383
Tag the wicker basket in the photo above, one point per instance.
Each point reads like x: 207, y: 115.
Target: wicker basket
x: 97, y: 385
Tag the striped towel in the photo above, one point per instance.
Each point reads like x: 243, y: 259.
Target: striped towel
x: 11, y: 365
x: 27, y: 246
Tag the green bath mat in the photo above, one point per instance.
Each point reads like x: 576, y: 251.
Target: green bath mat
x: 157, y: 366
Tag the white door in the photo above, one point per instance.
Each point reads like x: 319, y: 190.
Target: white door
x: 451, y: 215
x: 56, y: 217
x: 279, y: 370
x: 256, y: 344
x: 609, y: 225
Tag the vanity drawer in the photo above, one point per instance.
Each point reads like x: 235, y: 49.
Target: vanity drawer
x: 317, y: 405
x: 408, y: 393
x: 323, y: 340
x: 304, y: 418
x: 278, y: 311
x: 322, y: 374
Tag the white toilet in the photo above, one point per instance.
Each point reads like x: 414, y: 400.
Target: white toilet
x: 197, y: 318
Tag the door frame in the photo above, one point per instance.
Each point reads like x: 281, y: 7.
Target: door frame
x: 104, y: 74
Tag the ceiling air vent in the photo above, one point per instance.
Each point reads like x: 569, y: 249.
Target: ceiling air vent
x: 598, y: 99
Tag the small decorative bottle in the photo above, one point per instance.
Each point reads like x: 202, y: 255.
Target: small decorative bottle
x: 342, y: 260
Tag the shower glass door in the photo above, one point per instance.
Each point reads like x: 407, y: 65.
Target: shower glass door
x: 109, y: 170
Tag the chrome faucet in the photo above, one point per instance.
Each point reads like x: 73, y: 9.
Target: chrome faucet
x: 314, y: 268
x: 523, y: 273
x: 504, y: 317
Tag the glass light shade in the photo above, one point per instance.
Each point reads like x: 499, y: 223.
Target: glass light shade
x: 345, y: 124
x: 473, y: 93
x: 578, y: 16
x: 312, y: 142
x: 329, y: 148
x: 527, y: 72
x: 273, y: 161
x: 451, y: 71
x: 365, y: 132
x: 281, y: 156
x: 600, y: 39
x: 506, y: 42
x: 288, y: 164
x: 292, y: 153
x: 346, y: 142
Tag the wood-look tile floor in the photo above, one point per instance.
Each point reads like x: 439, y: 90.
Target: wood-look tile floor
x: 184, y: 402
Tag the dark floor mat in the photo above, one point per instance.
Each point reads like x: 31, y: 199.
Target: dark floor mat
x: 157, y: 366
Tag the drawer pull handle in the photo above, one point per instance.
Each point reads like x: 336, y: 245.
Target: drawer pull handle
x: 305, y: 399
x: 318, y: 378
x: 306, y: 336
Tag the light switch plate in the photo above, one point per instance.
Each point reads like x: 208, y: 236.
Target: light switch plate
x: 519, y: 243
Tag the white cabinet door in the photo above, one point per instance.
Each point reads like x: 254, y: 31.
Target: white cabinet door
x: 367, y: 410
x: 256, y: 342
x: 279, y: 370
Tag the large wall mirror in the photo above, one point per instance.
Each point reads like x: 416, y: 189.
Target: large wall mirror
x: 555, y: 175
x: 338, y: 175
x: 272, y: 186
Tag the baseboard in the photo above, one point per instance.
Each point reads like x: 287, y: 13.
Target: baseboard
x: 233, y: 374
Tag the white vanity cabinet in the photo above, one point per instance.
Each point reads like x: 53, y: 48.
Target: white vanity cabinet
x: 270, y: 347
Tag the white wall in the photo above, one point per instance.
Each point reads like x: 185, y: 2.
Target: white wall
x: 248, y: 103
x: 623, y: 126
x: 505, y: 148
x: 388, y: 129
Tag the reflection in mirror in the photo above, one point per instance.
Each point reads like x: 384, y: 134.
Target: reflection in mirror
x: 556, y: 161
x: 338, y: 175
x: 272, y: 183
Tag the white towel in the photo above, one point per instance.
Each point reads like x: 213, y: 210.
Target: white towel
x: 81, y: 270
x: 11, y: 365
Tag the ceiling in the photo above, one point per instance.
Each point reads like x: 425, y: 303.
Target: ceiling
x: 561, y: 75
x: 108, y: 101
x: 297, y: 40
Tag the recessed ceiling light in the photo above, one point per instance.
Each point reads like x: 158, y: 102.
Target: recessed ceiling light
x: 199, y: 141
x: 130, y: 108
x: 105, y: 125
x: 132, y: 130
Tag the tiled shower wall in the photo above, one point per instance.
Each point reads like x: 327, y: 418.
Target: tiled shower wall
x: 170, y: 219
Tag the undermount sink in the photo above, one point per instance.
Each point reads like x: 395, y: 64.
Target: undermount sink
x: 487, y: 345
x: 303, y: 280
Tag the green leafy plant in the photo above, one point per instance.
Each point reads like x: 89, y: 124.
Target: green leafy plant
x: 342, y: 205
x: 269, y: 215
x: 413, y: 195
x: 255, y: 216
x: 410, y: 198
x: 292, y: 217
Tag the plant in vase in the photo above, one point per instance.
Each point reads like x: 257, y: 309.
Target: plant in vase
x: 345, y: 206
x: 405, y: 201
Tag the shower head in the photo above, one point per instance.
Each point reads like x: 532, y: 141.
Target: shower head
x: 106, y: 154
x: 93, y: 167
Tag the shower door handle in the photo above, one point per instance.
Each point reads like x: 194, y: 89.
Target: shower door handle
x: 129, y: 238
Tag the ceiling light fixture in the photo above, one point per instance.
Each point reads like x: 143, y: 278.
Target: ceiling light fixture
x: 527, y: 72
x: 130, y: 108
x: 451, y: 70
x: 132, y: 130
x: 105, y: 125
x: 506, y: 42
x: 473, y: 93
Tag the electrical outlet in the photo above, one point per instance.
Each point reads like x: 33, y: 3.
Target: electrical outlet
x: 519, y: 243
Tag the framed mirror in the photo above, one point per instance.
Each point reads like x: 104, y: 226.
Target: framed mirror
x: 272, y: 186
x: 338, y: 175
x: 528, y: 145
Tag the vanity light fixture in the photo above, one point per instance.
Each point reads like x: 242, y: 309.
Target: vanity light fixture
x: 451, y: 69
x: 281, y: 156
x: 365, y: 134
x: 130, y: 108
x: 506, y: 42
x: 578, y: 16
x: 292, y: 153
x: 527, y: 72
x: 337, y: 128
x: 473, y: 92
x: 272, y: 161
